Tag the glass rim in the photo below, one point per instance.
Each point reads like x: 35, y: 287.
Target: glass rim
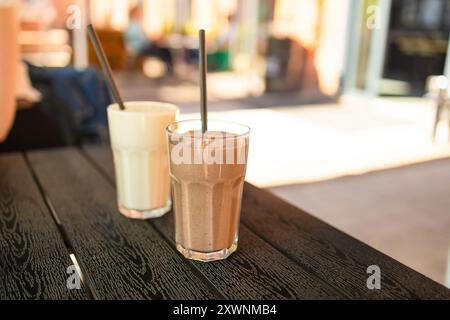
x: 169, y: 108
x: 247, y: 129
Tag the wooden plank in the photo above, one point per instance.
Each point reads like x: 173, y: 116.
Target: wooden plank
x: 336, y: 257
x: 256, y: 271
x: 120, y: 258
x: 33, y: 257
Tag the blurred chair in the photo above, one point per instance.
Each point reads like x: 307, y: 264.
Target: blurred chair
x: 438, y: 90
x: 285, y: 62
x: 113, y: 43
x: 46, y: 48
x: 40, y: 42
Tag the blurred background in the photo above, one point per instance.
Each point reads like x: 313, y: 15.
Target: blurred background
x: 348, y: 99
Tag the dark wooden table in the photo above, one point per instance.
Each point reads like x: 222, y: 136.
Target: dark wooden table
x: 58, y: 203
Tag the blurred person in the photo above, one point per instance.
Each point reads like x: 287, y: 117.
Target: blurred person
x: 228, y: 32
x: 140, y: 45
x: 9, y: 60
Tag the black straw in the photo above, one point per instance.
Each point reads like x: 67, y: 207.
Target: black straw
x: 105, y: 65
x: 203, y: 88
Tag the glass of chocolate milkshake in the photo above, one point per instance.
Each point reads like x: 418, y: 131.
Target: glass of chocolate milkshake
x: 207, y: 173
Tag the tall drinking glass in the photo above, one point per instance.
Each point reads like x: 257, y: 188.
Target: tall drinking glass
x: 207, y: 173
x: 139, y: 146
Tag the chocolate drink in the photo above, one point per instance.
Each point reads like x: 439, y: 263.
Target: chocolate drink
x: 207, y: 194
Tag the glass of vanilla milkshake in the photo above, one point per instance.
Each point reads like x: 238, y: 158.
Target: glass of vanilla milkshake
x: 207, y: 172
x: 139, y: 146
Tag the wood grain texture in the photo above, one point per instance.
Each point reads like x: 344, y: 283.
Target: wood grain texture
x: 120, y: 258
x: 33, y: 257
x: 255, y: 271
x: 336, y: 257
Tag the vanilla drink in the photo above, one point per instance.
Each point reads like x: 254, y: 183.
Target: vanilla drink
x: 141, y: 160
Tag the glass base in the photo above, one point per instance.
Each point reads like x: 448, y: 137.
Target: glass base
x: 145, y: 214
x: 207, y: 256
